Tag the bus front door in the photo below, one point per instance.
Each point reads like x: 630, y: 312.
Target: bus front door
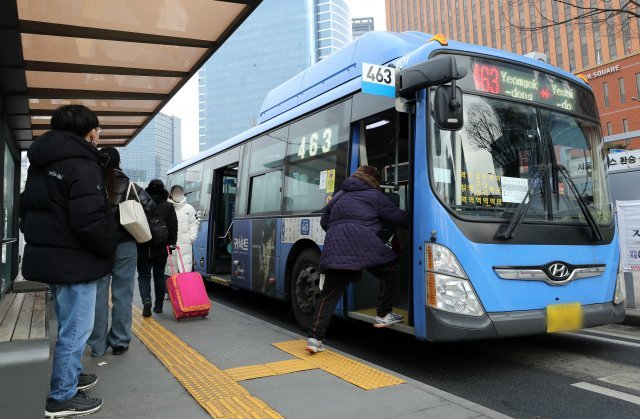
x: 224, y: 205
x: 384, y: 144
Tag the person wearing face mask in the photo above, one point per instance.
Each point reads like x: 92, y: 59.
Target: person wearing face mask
x: 70, y: 237
x: 188, y: 225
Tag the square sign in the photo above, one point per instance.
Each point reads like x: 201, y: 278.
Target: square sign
x: 378, y: 80
x: 624, y: 160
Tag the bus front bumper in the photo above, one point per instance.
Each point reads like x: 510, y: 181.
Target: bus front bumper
x: 443, y: 326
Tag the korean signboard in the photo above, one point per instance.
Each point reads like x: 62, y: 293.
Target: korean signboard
x: 629, y: 224
x: 624, y: 160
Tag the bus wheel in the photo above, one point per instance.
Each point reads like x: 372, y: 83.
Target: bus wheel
x: 305, y: 286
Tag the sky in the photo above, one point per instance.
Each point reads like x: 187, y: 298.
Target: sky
x: 184, y: 104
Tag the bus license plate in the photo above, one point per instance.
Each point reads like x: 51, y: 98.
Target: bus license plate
x: 564, y: 317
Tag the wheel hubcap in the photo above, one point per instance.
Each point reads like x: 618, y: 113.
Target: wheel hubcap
x: 307, y: 288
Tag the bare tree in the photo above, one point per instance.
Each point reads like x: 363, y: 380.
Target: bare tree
x: 591, y: 14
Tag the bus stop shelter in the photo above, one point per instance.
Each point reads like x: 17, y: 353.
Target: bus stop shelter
x: 125, y: 60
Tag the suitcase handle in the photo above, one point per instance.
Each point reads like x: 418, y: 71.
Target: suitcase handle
x: 171, y: 260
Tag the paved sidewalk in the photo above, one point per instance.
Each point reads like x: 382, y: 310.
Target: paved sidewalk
x: 138, y: 385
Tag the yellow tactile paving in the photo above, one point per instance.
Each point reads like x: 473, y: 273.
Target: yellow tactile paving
x: 268, y: 370
x: 217, y: 392
x: 292, y: 365
x: 352, y: 371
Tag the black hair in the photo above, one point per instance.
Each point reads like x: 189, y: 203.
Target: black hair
x: 77, y: 119
x: 174, y: 187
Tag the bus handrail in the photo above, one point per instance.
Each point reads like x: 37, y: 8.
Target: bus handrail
x: 228, y: 230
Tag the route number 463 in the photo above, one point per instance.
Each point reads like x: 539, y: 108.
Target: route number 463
x: 313, y: 145
x: 379, y: 74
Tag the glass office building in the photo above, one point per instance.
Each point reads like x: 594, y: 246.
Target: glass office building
x: 152, y: 152
x: 334, y: 26
x: 361, y: 25
x: 279, y: 40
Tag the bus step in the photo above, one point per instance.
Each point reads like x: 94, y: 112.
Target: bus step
x: 369, y: 315
x: 221, y: 279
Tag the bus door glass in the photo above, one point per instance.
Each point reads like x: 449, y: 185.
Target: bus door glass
x: 225, y: 208
x: 203, y: 208
x: 384, y: 144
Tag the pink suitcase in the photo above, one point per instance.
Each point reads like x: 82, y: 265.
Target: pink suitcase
x: 187, y: 292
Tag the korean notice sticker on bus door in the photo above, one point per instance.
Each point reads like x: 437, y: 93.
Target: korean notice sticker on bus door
x: 323, y: 180
x: 331, y: 180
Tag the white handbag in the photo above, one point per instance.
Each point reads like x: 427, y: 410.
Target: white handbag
x: 133, y: 218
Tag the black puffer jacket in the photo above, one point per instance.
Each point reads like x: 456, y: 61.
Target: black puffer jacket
x: 117, y: 196
x: 66, y: 220
x: 167, y: 212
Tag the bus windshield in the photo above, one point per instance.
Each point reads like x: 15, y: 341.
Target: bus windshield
x: 484, y: 170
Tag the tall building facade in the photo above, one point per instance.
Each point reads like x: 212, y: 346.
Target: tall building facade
x: 279, y: 40
x: 576, y: 46
x: 333, y: 20
x: 151, y: 153
x: 617, y: 89
x: 177, y: 141
x: 360, y: 26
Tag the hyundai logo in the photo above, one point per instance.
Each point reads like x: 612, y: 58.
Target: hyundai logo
x: 558, y: 271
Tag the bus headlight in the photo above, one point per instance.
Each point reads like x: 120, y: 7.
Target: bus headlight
x: 448, y: 287
x: 620, y: 294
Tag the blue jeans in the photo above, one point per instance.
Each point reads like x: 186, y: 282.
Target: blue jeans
x: 75, y: 309
x: 145, y: 266
x: 121, y: 281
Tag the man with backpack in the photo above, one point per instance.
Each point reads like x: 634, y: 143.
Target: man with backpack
x: 152, y: 256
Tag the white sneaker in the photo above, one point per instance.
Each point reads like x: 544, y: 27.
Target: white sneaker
x: 388, y: 320
x: 314, y: 345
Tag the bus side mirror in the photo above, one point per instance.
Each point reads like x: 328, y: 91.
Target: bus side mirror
x: 432, y: 72
x: 447, y: 107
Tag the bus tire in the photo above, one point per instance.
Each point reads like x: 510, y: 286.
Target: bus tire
x: 305, y: 286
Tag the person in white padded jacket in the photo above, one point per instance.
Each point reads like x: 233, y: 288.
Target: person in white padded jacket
x: 187, y: 229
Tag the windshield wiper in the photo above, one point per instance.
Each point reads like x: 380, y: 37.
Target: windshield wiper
x: 583, y: 206
x: 523, y: 207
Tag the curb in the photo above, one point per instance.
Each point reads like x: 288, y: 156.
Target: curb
x: 632, y: 318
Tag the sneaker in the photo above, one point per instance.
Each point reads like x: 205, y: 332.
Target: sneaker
x: 314, y: 346
x: 388, y: 320
x: 86, y: 381
x: 119, y: 350
x: 146, y: 310
x: 78, y: 405
x: 157, y: 309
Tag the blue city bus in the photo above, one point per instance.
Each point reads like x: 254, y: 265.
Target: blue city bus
x: 498, y: 158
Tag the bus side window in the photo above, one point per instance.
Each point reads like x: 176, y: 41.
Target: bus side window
x: 265, y: 194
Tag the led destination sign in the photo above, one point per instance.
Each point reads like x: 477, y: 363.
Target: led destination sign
x: 524, y: 83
